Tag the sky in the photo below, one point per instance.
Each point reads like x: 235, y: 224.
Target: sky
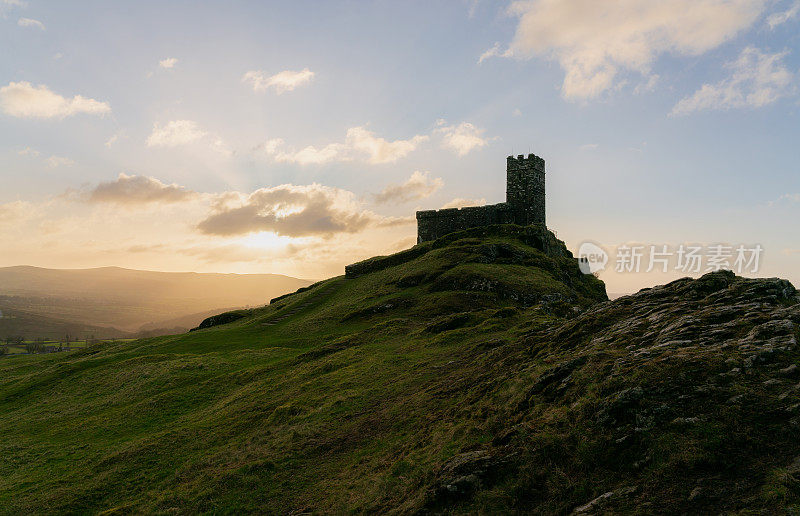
x: 297, y: 137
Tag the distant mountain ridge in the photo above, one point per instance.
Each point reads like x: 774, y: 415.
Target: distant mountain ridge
x: 128, y: 299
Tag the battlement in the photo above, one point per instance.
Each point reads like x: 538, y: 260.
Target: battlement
x: 524, y: 203
x: 521, y: 162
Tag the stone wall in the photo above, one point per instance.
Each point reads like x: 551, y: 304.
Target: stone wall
x: 525, y: 204
x: 433, y: 224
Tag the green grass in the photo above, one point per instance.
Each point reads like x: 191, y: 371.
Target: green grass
x: 353, y: 404
x: 337, y: 406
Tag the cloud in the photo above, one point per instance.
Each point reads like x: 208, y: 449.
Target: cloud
x: 168, y: 62
x: 294, y: 211
x: 52, y: 161
x: 30, y: 22
x: 8, y: 5
x: 461, y: 138
x: 790, y: 197
x: 359, y: 143
x: 133, y: 190
x: 219, y: 146
x: 588, y: 147
x: 23, y: 100
x: 648, y: 85
x: 59, y: 161
x: 112, y: 140
x: 461, y: 203
x: 309, y: 155
x: 472, y: 7
x: 757, y: 79
x: 494, y: 51
x: 594, y: 41
x: 378, y: 149
x: 286, y: 80
x: 775, y: 19
x: 146, y: 229
x: 419, y: 186
x: 175, y: 133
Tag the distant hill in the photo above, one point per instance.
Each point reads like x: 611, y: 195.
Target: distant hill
x: 15, y: 322
x: 480, y: 373
x: 128, y: 299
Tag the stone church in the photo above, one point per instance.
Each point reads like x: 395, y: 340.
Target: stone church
x: 524, y: 203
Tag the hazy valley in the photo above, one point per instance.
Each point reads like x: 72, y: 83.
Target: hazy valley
x: 112, y: 302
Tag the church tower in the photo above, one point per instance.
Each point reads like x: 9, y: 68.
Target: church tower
x: 525, y: 188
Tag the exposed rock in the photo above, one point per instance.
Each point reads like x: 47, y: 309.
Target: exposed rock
x: 462, y: 475
x: 598, y: 503
x: 223, y: 318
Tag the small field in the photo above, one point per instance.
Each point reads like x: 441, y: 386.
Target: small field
x: 51, y: 346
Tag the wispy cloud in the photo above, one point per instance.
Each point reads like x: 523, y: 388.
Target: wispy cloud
x: 168, y: 63
x: 112, y: 140
x: 595, y: 41
x: 775, y: 19
x: 419, y: 186
x: 59, y: 161
x: 30, y: 22
x: 175, y: 133
x: 281, y: 82
x: 220, y: 147
x: 28, y: 151
x: 309, y: 155
x: 360, y: 143
x: 24, y: 100
x: 52, y: 162
x: 494, y: 51
x: 757, y: 79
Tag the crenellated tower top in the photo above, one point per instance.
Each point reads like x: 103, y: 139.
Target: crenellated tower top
x: 523, y: 163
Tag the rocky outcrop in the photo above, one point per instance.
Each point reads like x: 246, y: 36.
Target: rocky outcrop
x: 223, y: 318
x: 683, y: 398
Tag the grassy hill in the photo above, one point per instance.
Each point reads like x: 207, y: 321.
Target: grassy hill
x: 478, y: 373
x: 14, y: 322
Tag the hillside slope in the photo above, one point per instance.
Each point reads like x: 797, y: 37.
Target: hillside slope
x: 14, y: 322
x: 479, y: 372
